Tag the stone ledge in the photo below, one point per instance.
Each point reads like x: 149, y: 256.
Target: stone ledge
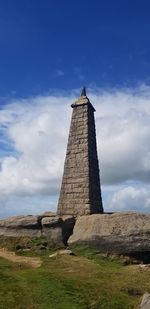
x: 55, y: 228
x: 122, y: 233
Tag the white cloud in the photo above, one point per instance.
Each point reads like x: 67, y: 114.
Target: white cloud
x: 123, y: 134
x: 37, y: 129
x: 130, y: 198
x: 39, y: 136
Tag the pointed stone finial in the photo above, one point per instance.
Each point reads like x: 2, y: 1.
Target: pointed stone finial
x: 83, y: 93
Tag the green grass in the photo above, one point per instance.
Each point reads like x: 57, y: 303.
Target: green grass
x: 86, y: 281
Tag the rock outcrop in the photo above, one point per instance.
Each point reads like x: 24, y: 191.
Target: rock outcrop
x: 21, y: 226
x: 122, y: 233
x: 145, y: 304
x: 56, y: 229
x: 52, y: 228
x: 126, y: 233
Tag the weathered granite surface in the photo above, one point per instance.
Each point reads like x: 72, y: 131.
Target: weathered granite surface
x: 80, y: 191
x: 55, y: 228
x: 21, y: 226
x: 145, y: 304
x: 52, y: 228
x: 122, y: 233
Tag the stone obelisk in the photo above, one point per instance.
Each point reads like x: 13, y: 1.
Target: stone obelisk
x: 80, y: 190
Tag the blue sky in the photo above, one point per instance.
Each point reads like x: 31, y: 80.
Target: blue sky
x: 48, y: 50
x: 62, y: 44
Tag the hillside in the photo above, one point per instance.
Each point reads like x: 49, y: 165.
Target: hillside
x: 87, y: 280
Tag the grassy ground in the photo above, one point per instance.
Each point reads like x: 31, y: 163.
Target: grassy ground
x: 86, y: 281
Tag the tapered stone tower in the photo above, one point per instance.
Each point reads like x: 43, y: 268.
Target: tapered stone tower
x: 80, y: 190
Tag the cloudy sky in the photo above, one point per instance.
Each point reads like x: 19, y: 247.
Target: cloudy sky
x: 48, y: 51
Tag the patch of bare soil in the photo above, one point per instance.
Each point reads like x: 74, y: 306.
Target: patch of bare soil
x: 22, y: 260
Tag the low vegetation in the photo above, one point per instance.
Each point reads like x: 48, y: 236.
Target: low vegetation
x: 87, y: 280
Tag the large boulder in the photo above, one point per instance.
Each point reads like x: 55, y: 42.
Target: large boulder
x: 21, y: 226
x: 122, y: 233
x: 145, y: 304
x: 56, y: 229
x: 52, y: 228
x: 48, y: 214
